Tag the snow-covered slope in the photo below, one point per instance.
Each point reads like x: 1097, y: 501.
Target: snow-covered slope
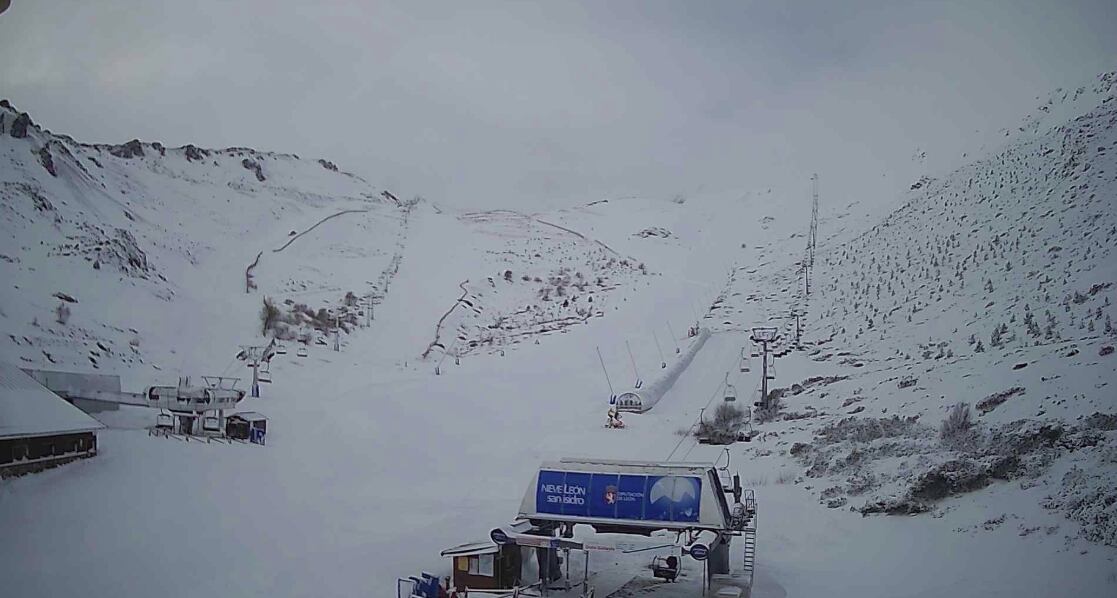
x: 146, y: 247
x: 992, y: 286
x: 374, y: 463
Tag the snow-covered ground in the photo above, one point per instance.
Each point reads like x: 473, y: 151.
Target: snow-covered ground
x: 374, y: 463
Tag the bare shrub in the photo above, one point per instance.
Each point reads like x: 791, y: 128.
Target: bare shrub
x: 62, y: 313
x: 957, y: 423
x: 269, y: 314
x: 769, y: 413
x: 725, y: 424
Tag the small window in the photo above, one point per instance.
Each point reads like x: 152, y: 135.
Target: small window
x: 485, y: 565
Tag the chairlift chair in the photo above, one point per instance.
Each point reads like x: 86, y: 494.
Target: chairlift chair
x: 164, y: 421
x: 302, y: 352
x: 730, y: 393
x: 665, y: 567
x: 264, y: 377
x: 281, y: 349
x: 211, y: 424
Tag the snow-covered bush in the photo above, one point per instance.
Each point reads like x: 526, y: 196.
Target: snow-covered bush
x: 957, y: 423
x: 724, y: 426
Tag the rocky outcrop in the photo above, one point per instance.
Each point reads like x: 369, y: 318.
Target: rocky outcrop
x: 328, y: 165
x: 194, y: 153
x: 254, y: 166
x: 47, y: 160
x: 20, y: 125
x: 132, y: 149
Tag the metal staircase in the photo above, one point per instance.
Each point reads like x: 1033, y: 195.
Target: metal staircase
x: 750, y: 550
x: 749, y: 536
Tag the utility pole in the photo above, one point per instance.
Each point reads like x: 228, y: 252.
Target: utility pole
x: 763, y: 336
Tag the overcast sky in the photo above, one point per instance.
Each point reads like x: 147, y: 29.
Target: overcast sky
x: 523, y: 104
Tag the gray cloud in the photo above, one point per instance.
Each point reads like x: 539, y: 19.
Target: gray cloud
x: 532, y: 104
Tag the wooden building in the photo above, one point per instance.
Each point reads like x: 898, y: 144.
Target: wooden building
x: 485, y: 566
x: 39, y: 429
x: 247, y: 425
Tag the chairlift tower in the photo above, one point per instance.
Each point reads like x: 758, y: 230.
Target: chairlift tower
x: 764, y: 335
x: 812, y: 239
x: 340, y: 311
x: 798, y: 327
x: 253, y: 356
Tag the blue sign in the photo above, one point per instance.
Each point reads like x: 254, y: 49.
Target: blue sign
x: 699, y: 552
x: 619, y: 496
x: 498, y: 536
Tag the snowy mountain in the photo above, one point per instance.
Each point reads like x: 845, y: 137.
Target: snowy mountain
x: 496, y: 337
x: 991, y: 286
x: 144, y: 248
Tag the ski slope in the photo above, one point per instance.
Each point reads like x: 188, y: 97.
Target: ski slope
x: 374, y: 463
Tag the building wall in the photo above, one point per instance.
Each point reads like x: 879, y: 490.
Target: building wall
x: 30, y: 454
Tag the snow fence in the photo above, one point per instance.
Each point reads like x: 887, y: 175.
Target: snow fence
x: 644, y: 398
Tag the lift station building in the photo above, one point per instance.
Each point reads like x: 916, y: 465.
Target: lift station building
x: 39, y: 429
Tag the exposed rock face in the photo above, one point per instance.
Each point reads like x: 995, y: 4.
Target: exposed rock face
x: 328, y: 165
x: 254, y: 166
x: 20, y: 125
x: 132, y: 259
x: 193, y: 153
x: 131, y: 149
x: 47, y: 160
